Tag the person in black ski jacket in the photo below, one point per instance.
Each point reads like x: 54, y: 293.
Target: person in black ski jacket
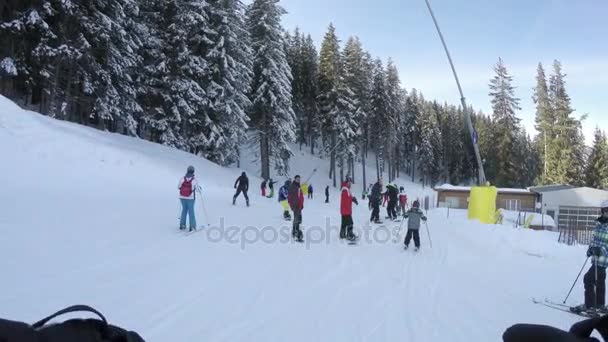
x: 579, y: 332
x: 375, y: 200
x: 241, y: 185
x: 393, y: 198
x: 327, y: 194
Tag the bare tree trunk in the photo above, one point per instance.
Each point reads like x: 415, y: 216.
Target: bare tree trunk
x: 363, y: 153
x: 341, y: 169
x: 378, y: 166
x: 333, y: 156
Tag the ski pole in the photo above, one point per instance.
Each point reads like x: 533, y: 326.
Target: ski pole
x: 203, y: 205
x: 428, y: 231
x: 399, y: 231
x: 595, y: 286
x: 576, y: 280
x: 312, y: 174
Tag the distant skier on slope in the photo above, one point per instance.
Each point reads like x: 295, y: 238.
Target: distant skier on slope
x: 402, y: 200
x: 327, y: 194
x: 296, y: 202
x: 310, y: 196
x: 271, y: 184
x: 346, y: 210
x: 283, y: 199
x: 595, y: 278
x: 187, y: 187
x: 413, y: 217
x: 375, y: 199
x: 241, y: 185
x: 263, y: 187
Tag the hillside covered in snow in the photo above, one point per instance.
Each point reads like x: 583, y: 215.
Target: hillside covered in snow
x: 91, y: 217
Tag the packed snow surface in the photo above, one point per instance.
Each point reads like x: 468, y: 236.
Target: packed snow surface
x: 91, y: 217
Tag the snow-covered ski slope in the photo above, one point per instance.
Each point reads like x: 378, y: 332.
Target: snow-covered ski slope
x: 91, y: 217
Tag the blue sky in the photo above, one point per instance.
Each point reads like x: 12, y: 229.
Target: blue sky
x: 522, y: 32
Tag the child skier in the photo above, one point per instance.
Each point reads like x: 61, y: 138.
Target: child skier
x: 271, y: 184
x: 402, y: 200
x: 283, y: 199
x: 413, y: 217
x: 263, y: 188
x: 595, y: 278
x: 187, y: 195
x: 310, y: 190
x: 327, y: 194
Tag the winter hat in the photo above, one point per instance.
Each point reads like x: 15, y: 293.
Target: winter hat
x: 244, y: 174
x: 190, y: 171
x: 416, y: 204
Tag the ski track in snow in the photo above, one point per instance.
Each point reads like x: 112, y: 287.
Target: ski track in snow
x: 91, y: 217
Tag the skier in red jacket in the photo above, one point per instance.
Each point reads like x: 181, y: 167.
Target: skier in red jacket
x: 346, y: 210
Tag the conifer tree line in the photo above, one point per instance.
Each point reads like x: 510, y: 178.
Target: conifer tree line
x: 209, y: 76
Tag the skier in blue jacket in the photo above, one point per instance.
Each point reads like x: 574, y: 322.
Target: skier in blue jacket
x: 283, y: 199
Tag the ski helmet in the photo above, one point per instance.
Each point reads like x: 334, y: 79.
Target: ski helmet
x: 190, y: 169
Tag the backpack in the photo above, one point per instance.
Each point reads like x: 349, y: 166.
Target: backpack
x: 186, y: 189
x: 74, y: 330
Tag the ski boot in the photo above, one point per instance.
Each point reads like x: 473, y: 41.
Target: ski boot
x: 234, y: 201
x: 182, y: 228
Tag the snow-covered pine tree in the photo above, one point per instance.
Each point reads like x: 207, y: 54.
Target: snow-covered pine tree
x: 329, y: 74
x: 187, y: 40
x: 596, y: 173
x: 109, y: 30
x: 379, y: 116
x: 411, y: 132
x: 271, y: 113
x: 40, y: 47
x: 566, y: 155
x: 309, y: 88
x: 357, y: 78
x: 393, y: 117
x: 506, y: 126
x: 545, y: 120
x: 156, y: 121
x: 230, y: 66
x: 345, y: 121
x: 430, y: 149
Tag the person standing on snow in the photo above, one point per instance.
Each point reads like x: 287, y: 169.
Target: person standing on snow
x: 402, y: 200
x: 346, y: 210
x: 413, y: 217
x: 283, y: 199
x: 188, y: 186
x: 310, y: 191
x: 263, y: 188
x: 375, y: 199
x: 296, y: 202
x: 327, y: 194
x: 393, y: 198
x: 271, y: 184
x: 243, y: 186
x: 595, y: 278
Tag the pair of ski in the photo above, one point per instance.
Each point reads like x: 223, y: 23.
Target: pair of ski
x: 591, y: 313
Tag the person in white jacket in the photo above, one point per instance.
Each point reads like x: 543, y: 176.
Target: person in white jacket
x: 187, y: 194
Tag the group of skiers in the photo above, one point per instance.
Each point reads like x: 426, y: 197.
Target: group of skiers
x: 291, y: 199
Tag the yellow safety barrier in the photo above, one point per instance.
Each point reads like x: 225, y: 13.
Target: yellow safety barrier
x: 482, y: 204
